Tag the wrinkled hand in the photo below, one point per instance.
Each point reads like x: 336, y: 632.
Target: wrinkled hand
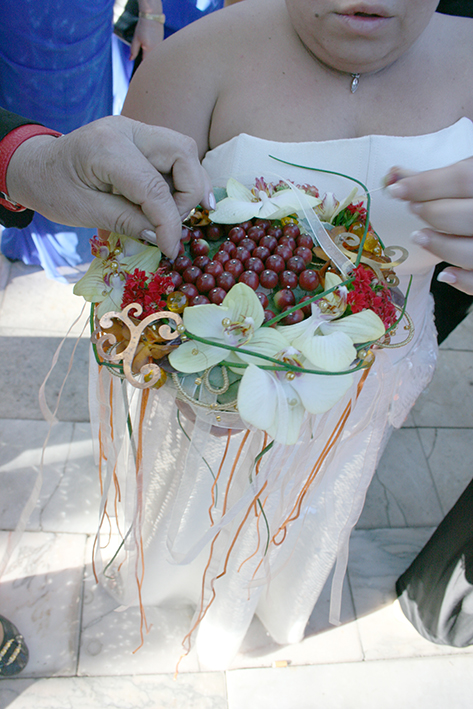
x: 147, y: 34
x: 444, y: 199
x: 70, y: 179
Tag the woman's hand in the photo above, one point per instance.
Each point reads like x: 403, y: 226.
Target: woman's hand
x: 148, y: 33
x: 116, y: 174
x: 444, y: 199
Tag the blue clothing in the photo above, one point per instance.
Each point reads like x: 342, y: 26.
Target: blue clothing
x: 56, y: 69
x: 180, y: 13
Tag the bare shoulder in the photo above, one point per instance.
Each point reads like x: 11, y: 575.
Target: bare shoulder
x: 179, y: 83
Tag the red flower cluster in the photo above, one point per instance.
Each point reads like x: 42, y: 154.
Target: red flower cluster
x: 367, y: 293
x: 147, y: 291
x: 357, y: 209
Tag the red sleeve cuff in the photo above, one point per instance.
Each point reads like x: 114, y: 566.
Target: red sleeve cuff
x: 7, y: 147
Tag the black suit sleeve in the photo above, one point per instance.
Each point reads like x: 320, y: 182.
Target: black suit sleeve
x: 8, y: 122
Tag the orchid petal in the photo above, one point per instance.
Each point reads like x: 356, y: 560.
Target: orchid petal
x: 206, y: 320
x: 257, y: 398
x: 295, y: 334
x: 348, y: 200
x: 360, y: 327
x: 91, y: 286
x: 242, y: 302
x: 266, y: 341
x: 319, y: 393
x: 232, y: 211
x: 286, y: 430
x: 146, y: 259
x: 236, y: 190
x: 333, y: 353
x: 194, y: 356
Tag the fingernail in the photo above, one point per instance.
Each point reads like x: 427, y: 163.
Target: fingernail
x: 447, y: 277
x: 148, y: 235
x: 392, y: 177
x: 420, y: 238
x: 396, y: 190
x: 212, y: 201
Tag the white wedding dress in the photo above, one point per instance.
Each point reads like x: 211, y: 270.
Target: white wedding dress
x: 209, y: 544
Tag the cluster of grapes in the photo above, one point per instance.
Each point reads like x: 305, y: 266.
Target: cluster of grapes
x: 272, y: 258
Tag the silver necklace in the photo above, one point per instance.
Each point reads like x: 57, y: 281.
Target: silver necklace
x: 355, y: 80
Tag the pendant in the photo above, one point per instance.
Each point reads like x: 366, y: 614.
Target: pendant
x: 355, y: 80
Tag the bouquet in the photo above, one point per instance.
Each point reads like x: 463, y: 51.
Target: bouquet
x: 276, y: 299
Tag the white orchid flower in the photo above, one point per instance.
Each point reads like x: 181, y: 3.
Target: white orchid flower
x: 104, y: 281
x: 240, y: 205
x: 329, y: 205
x: 235, y: 322
x: 275, y: 401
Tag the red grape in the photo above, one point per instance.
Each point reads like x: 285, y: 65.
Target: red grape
x: 269, y: 279
x: 185, y: 235
x: 205, y: 282
x: 268, y: 315
x: 226, y: 281
x: 216, y: 295
x: 269, y: 241
x: 189, y: 289
x: 229, y: 247
x: 304, y: 253
x: 176, y: 278
x: 307, y: 309
x: 288, y: 279
x: 197, y: 233
x: 275, y: 231
x: 235, y: 267
x: 261, y: 252
x: 248, y: 244
x: 284, y: 298
x: 191, y: 274
x: 214, y: 232
x: 254, y: 264
x: 296, y: 264
x: 246, y: 225
x: 305, y: 240
x: 283, y: 250
x: 289, y: 241
x: 222, y: 257
x: 236, y: 234
x: 201, y: 262
x: 181, y: 263
x: 291, y: 230
x: 292, y: 318
x: 275, y: 263
x: 241, y: 253
x: 263, y: 298
x: 263, y: 223
x: 250, y: 278
x: 214, y: 268
x: 309, y: 280
x: 199, y: 300
x: 199, y: 247
x: 256, y: 233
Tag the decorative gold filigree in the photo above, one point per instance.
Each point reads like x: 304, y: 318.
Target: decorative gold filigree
x: 107, y: 343
x: 388, y: 279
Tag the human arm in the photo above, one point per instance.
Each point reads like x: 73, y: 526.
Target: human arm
x: 149, y: 31
x: 70, y: 179
x: 444, y: 199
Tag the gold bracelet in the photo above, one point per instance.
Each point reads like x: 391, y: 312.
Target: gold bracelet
x: 148, y: 16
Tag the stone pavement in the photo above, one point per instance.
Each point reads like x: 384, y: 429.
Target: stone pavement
x: 80, y: 650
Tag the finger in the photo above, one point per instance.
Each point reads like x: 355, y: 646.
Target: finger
x: 192, y: 186
x: 115, y: 213
x: 447, y: 215
x: 457, y: 250
x: 454, y: 181
x: 134, y: 47
x: 458, y: 278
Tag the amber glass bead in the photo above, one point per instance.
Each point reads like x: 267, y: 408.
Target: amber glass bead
x: 176, y: 302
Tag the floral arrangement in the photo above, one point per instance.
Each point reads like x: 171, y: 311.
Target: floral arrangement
x: 270, y: 318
